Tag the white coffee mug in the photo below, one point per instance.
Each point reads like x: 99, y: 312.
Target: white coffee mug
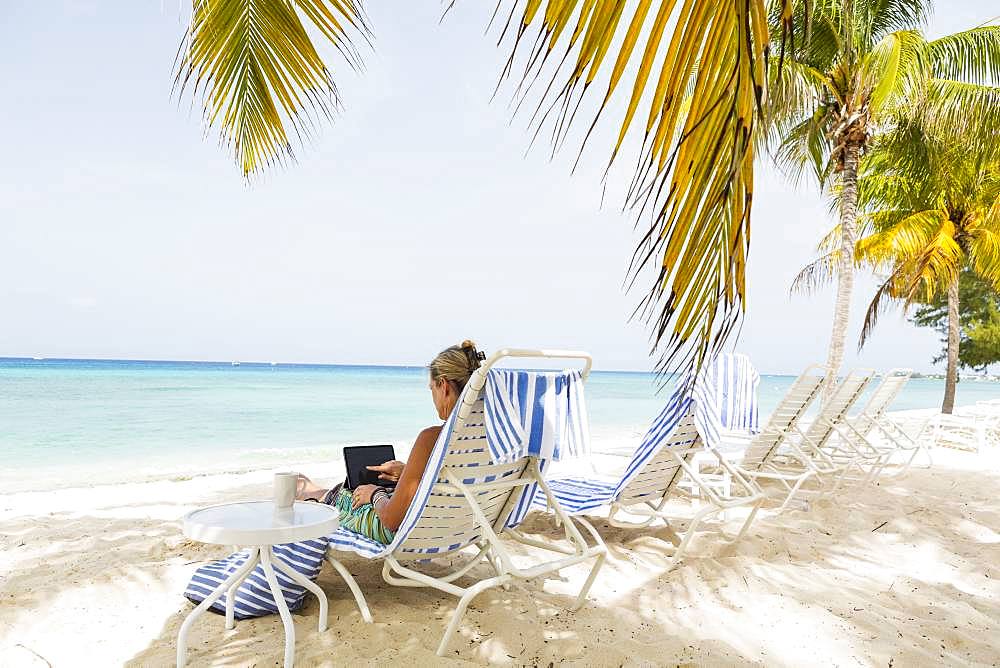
x: 284, y: 489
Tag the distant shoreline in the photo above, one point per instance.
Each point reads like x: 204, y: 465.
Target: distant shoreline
x: 100, y: 361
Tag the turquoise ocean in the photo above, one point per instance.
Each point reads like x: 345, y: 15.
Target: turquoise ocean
x: 86, y: 422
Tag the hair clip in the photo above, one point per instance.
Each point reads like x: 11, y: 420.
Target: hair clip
x: 474, y: 356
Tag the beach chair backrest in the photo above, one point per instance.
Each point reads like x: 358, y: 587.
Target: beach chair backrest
x: 447, y: 522
x: 660, y: 472
x: 835, y: 409
x: 883, y: 396
x: 786, y: 414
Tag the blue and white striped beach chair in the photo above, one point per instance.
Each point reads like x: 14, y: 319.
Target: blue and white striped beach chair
x: 655, y: 471
x: 472, y: 491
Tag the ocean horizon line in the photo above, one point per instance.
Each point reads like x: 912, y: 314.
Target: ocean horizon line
x: 259, y: 363
x: 341, y: 365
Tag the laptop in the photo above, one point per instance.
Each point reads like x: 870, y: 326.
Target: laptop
x: 358, y: 457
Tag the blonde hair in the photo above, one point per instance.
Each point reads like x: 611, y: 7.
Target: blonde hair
x: 456, y: 364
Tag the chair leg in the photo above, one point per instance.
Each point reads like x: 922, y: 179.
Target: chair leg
x: 602, y: 553
x: 747, y: 522
x: 582, y: 596
x: 463, y: 603
x: 792, y: 493
x: 353, y: 585
x: 698, y: 518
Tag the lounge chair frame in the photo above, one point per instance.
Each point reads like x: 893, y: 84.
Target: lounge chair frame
x: 660, y: 479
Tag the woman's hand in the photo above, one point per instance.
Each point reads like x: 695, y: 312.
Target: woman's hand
x: 389, y: 470
x: 361, y: 495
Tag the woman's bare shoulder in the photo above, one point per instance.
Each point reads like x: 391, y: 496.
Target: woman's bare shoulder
x: 430, y: 434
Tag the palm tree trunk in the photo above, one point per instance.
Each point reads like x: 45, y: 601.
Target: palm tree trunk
x: 951, y: 375
x: 845, y: 272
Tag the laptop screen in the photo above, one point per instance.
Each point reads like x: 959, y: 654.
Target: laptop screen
x: 358, y: 457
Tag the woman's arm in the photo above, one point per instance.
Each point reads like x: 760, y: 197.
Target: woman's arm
x: 391, y: 514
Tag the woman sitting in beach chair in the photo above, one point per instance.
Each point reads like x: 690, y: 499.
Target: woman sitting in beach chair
x: 371, y: 510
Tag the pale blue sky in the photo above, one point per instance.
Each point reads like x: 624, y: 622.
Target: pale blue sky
x: 412, y: 222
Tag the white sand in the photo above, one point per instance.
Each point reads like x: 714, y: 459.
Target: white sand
x: 900, y: 574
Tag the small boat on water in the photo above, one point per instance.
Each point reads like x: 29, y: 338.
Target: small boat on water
x: 235, y: 363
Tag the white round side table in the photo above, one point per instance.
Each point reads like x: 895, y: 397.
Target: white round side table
x: 258, y: 525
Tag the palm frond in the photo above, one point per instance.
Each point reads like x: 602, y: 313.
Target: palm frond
x: 971, y: 56
x: 816, y: 274
x: 984, y: 243
x: 956, y: 109
x: 699, y: 68
x: 819, y: 40
x: 794, y: 92
x: 877, y: 18
x: 894, y: 70
x: 936, y: 267
x: 883, y: 296
x: 257, y: 73
x: 806, y: 146
x: 902, y: 242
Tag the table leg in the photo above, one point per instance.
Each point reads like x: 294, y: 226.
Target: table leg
x: 238, y: 574
x: 308, y: 584
x: 279, y: 600
x: 231, y: 597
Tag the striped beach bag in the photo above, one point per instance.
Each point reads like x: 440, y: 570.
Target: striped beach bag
x: 253, y: 597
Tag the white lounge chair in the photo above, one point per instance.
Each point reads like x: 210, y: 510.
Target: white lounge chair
x: 654, y: 474
x: 883, y: 434
x: 831, y: 441
x: 959, y: 432
x: 772, y: 454
x: 467, y: 501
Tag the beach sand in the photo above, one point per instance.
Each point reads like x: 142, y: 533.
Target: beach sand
x: 902, y: 573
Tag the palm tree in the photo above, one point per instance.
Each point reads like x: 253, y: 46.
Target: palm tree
x: 862, y: 63
x: 932, y: 205
x: 700, y: 67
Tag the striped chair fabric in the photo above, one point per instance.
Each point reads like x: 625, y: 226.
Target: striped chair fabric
x: 689, y: 417
x: 538, y: 414
x: 733, y: 382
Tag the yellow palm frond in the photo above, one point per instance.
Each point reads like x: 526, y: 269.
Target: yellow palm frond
x: 984, y: 243
x: 256, y: 70
x: 903, y: 241
x: 935, y: 267
x: 699, y: 69
x: 917, y: 277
